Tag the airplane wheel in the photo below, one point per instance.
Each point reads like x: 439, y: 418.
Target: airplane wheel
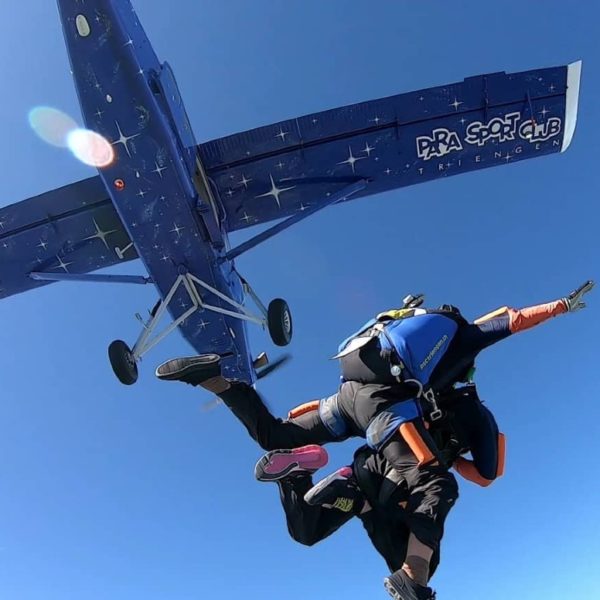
x: 122, y: 362
x: 279, y: 321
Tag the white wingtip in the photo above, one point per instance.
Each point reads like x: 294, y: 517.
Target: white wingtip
x: 573, y: 79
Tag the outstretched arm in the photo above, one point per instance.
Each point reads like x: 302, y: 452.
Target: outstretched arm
x: 524, y: 318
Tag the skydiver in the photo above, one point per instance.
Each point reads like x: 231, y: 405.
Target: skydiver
x: 393, y: 370
x: 371, y: 489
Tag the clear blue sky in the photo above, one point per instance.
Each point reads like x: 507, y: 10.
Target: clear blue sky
x: 118, y: 493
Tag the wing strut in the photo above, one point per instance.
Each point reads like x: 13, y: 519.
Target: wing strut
x: 41, y: 276
x: 338, y: 196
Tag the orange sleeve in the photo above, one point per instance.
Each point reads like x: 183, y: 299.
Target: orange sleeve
x: 466, y: 468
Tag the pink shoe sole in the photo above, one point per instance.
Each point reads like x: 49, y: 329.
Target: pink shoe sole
x: 277, y: 464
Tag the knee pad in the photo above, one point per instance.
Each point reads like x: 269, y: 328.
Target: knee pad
x: 332, y: 418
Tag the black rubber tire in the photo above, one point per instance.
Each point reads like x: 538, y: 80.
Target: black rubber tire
x: 279, y: 321
x: 122, y: 362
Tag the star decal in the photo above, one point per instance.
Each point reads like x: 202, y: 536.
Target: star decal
x: 100, y: 234
x: 42, y: 244
x: 61, y: 264
x: 368, y: 149
x: 282, y: 134
x: 245, y: 181
x: 176, y: 229
x: 202, y: 325
x: 456, y: 103
x: 275, y: 192
x: 124, y: 139
x: 159, y: 169
x: 351, y: 160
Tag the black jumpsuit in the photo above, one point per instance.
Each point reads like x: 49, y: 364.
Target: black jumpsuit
x: 384, y: 523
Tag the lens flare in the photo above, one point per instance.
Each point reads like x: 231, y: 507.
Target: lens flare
x: 90, y: 148
x: 51, y: 125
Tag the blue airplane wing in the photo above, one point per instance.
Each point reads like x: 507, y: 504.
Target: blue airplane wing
x: 489, y: 120
x: 73, y: 229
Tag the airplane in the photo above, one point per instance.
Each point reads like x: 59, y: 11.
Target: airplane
x: 170, y: 202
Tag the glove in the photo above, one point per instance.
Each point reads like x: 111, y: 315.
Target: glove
x: 573, y: 300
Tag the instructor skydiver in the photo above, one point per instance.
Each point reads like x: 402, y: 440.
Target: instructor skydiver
x: 393, y: 370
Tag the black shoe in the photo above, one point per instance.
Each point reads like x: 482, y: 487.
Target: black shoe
x: 338, y: 490
x: 193, y: 369
x: 401, y: 587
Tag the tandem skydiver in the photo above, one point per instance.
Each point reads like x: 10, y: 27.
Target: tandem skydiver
x: 374, y: 492
x: 393, y: 371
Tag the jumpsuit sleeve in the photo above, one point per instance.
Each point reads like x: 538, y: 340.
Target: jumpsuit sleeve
x: 488, y: 447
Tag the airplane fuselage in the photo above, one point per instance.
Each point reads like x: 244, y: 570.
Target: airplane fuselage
x: 155, y: 180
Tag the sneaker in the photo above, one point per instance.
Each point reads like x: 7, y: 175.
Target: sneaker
x: 338, y: 490
x: 278, y: 464
x: 573, y: 300
x: 401, y: 587
x: 192, y: 369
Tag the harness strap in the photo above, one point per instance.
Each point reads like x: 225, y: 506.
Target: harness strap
x: 427, y: 393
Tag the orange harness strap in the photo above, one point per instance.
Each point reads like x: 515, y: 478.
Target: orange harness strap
x: 416, y: 443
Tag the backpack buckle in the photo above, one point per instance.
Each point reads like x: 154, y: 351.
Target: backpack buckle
x: 436, y: 414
